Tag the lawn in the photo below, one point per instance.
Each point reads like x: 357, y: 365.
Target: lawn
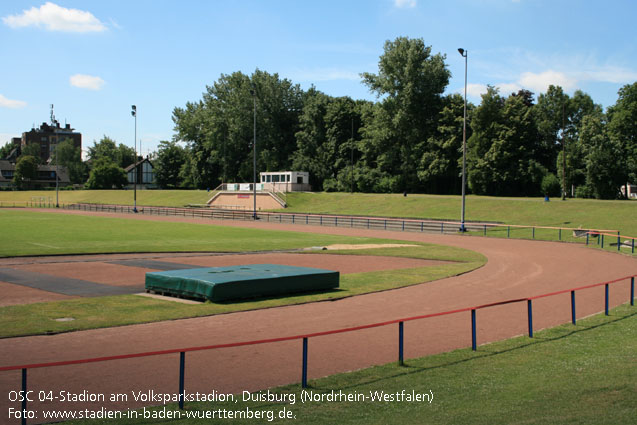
x: 161, y: 198
x: 37, y: 233
x: 587, y: 213
x: 34, y: 233
x: 565, y: 375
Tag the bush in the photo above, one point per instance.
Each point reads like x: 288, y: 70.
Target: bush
x: 551, y: 185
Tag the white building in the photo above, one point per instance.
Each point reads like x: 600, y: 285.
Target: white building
x: 145, y: 173
x: 632, y: 191
x: 286, y: 181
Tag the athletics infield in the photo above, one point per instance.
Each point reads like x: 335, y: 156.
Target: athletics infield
x: 515, y: 269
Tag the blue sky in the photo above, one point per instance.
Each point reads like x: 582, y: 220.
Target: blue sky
x: 93, y: 59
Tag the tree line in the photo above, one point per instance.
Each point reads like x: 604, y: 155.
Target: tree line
x: 408, y: 140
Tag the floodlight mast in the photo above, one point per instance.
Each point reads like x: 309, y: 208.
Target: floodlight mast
x: 134, y: 114
x: 464, y: 54
x: 253, y: 92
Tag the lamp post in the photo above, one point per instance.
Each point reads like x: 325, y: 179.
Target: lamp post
x: 134, y: 114
x: 464, y: 53
x: 253, y: 92
x: 563, y: 151
x: 57, y: 181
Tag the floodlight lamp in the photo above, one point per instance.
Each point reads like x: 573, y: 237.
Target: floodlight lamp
x: 461, y: 50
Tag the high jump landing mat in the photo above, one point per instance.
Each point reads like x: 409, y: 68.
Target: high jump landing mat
x: 238, y: 282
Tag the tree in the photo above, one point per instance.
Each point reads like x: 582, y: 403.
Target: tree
x: 553, y: 114
x: 107, y: 149
x: 171, y: 159
x: 106, y: 175
x: 622, y: 130
x: 410, y: 81
x: 440, y: 166
x: 326, y: 142
x: 26, y: 169
x: 504, y: 147
x: 6, y: 149
x: 67, y: 155
x: 219, y: 128
x: 603, y: 175
x: 31, y: 149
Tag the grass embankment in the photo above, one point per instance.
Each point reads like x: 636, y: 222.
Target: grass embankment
x: 587, y: 213
x: 564, y: 375
x: 157, y: 198
x: 37, y: 232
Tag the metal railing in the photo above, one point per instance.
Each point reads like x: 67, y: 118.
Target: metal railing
x: 305, y: 337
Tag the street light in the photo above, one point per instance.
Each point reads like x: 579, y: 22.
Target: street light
x: 253, y: 92
x: 57, y: 181
x: 464, y: 53
x: 133, y: 112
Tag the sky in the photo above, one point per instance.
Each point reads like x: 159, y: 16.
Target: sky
x: 93, y: 59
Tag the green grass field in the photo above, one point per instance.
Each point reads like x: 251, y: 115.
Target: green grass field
x: 36, y: 233
x: 50, y: 234
x: 587, y: 213
x: 161, y: 198
x: 573, y: 213
x: 583, y: 374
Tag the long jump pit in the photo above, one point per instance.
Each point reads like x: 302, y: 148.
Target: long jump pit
x: 28, y: 280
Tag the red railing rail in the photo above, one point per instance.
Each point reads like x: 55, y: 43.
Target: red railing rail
x: 304, y: 337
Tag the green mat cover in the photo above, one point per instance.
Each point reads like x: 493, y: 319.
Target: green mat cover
x: 238, y: 282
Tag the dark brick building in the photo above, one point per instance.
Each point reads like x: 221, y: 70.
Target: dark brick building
x: 47, y: 136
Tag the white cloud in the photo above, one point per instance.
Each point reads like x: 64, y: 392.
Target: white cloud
x: 507, y: 88
x: 405, y: 4
x: 540, y: 82
x: 11, y: 104
x: 475, y: 90
x: 56, y: 18
x: 89, y: 82
x: 608, y: 74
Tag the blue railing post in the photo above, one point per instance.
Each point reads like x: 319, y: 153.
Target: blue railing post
x: 335, y: 221
x: 587, y: 235
x: 24, y: 394
x: 573, y: 318
x: 304, y: 371
x: 485, y: 230
x: 403, y: 225
x: 534, y: 233
x: 182, y: 369
x: 602, y: 241
x: 632, y: 250
x: 508, y: 231
x: 606, y: 300
x: 530, y: 311
x: 473, y: 330
x: 619, y: 244
x: 632, y: 290
x: 560, y: 234
x: 385, y: 224
x: 401, y: 333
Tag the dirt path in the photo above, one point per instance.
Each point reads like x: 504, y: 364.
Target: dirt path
x: 515, y: 269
